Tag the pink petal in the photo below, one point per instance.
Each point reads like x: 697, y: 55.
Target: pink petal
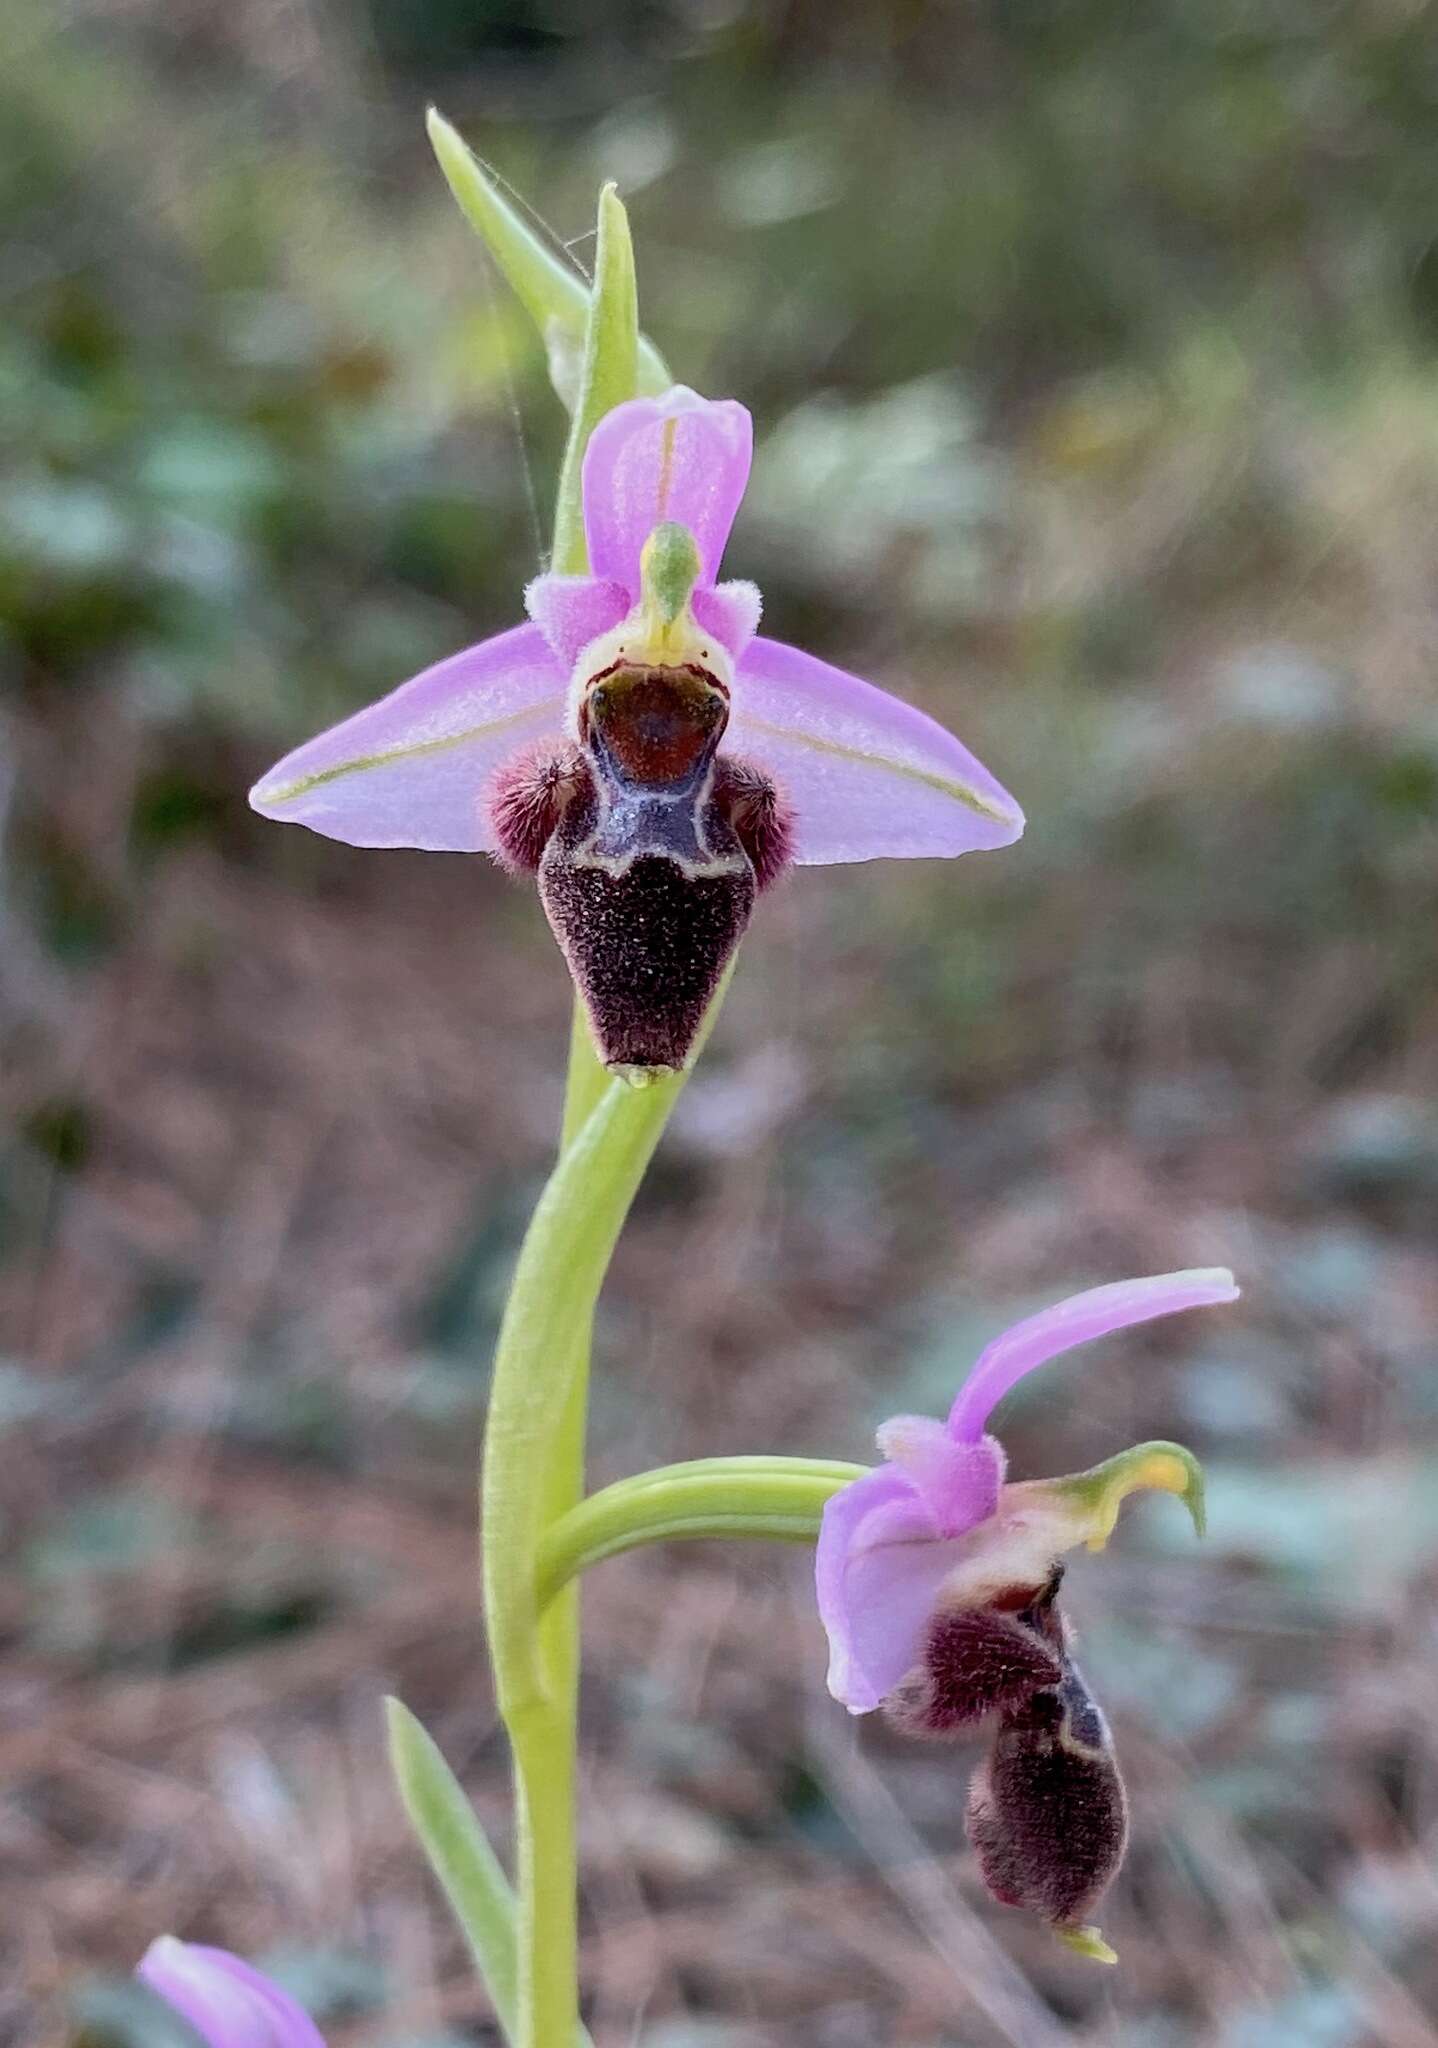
x: 228, y: 2004
x: 679, y: 457
x: 730, y: 611
x: 867, y: 775
x: 412, y: 769
x: 878, y: 1569
x: 571, y: 611
x: 1002, y: 1364
x: 957, y: 1482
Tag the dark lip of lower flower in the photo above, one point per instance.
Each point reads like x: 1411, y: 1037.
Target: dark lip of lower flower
x: 1047, y: 1810
x: 976, y: 1663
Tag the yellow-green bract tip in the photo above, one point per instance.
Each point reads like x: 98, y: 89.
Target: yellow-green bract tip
x: 552, y: 291
x: 1087, y: 1941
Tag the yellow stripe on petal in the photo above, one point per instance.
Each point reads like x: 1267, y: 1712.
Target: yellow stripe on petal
x: 413, y: 769
x: 909, y: 771
x: 866, y: 775
x: 275, y: 793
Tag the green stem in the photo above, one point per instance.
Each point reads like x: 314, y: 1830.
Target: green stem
x: 544, y: 1333
x: 777, y: 1499
x: 534, y: 1444
x: 546, y: 1756
x: 587, y: 1078
x: 532, y: 1474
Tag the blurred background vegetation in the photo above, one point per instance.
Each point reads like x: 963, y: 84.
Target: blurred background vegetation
x: 1094, y: 355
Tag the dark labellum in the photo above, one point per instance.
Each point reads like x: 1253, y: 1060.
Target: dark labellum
x: 1047, y: 1812
x: 646, y: 945
x: 649, y: 850
x: 1048, y: 1816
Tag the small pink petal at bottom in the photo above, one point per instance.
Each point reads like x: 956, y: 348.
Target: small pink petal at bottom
x: 227, y: 2002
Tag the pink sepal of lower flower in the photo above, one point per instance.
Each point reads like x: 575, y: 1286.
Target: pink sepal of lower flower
x: 228, y: 2003
x: 863, y: 774
x: 935, y: 1523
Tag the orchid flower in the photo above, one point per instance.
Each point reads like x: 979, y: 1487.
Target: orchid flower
x: 937, y: 1585
x: 225, y: 2001
x: 640, y: 750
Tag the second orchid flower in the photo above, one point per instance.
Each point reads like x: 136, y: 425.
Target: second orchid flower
x: 938, y: 1585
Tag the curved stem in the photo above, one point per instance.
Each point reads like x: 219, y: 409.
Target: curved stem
x: 542, y: 1340
x: 776, y: 1499
x: 586, y: 1080
x: 534, y: 1443
x: 532, y: 1471
x: 546, y: 1750
x: 533, y: 1475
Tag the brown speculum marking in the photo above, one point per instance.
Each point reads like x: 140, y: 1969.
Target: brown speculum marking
x: 649, y: 850
x: 653, y: 725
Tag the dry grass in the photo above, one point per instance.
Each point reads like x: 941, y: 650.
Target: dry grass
x: 304, y: 1111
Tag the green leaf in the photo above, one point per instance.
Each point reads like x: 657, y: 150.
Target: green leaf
x: 553, y: 292
x: 459, y: 1854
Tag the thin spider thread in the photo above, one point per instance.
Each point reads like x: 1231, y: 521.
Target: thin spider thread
x: 534, y: 216
x: 515, y: 416
x: 507, y: 375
